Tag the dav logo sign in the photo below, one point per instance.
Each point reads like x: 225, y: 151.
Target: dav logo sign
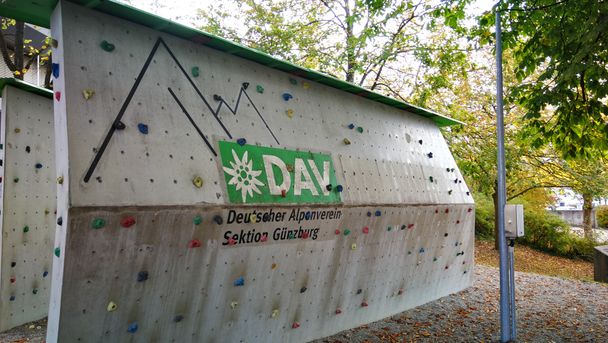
x: 256, y: 174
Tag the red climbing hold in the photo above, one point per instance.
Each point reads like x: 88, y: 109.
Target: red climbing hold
x: 364, y: 304
x: 295, y: 325
x: 231, y: 241
x: 264, y: 238
x: 58, y: 95
x: 337, y: 232
x: 283, y: 193
x: 366, y: 230
x: 13, y: 279
x: 458, y: 222
x: 195, y: 243
x: 469, y: 210
x: 436, y: 211
x: 338, y: 310
x: 305, y: 235
x: 447, y: 210
x: 409, y: 226
x: 127, y: 222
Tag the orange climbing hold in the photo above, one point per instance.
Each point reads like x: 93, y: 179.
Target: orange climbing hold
x: 195, y: 243
x: 127, y: 222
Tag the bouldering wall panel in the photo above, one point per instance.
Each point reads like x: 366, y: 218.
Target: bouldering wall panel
x: 28, y: 206
x: 210, y: 198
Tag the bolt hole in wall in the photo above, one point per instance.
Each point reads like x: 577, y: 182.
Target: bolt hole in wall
x: 185, y: 255
x: 28, y: 215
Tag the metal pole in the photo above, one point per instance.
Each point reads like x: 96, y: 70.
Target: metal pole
x: 512, y: 312
x: 500, y: 215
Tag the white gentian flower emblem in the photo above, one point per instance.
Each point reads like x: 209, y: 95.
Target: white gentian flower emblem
x: 244, y: 178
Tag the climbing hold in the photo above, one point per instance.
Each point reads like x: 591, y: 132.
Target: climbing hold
x: 87, y: 93
x: 346, y: 232
x: 306, y: 85
x: 409, y: 226
x: 46, y: 211
x: 142, y: 276
x: 389, y: 228
x: 26, y: 228
x: 273, y: 266
x: 13, y: 279
x: 231, y: 241
x: 195, y: 71
x: 275, y: 313
x: 403, y: 227
x: 305, y: 235
x: 359, y: 291
x: 58, y: 95
x: 430, y: 155
x: 364, y: 304
x: 98, y: 223
x: 295, y: 325
x: 468, y: 193
x: 178, y: 318
x: 264, y: 238
x: 107, y: 46
x: 59, y: 221
x: 452, y: 170
x: 353, y: 246
x: 45, y: 273
x: 35, y: 291
x: 400, y: 291
x: 446, y: 267
x: 60, y: 180
x: 289, y: 113
x: 455, y: 180
x: 447, y: 210
x: 378, y: 213
x: 434, y: 259
x: 241, y: 141
x: 289, y: 167
x: 445, y: 234
x: 197, y: 220
x: 431, y: 178
x: 127, y: 222
x: 55, y: 70
x: 195, y: 243
x: 303, y: 289
x: 259, y: 89
x: 143, y: 128
x: 337, y: 232
x: 16, y: 179
x: 293, y: 81
x: 132, y: 327
x: 469, y: 209
x: 420, y: 141
x: 351, y: 126
x: 369, y: 214
x: 38, y: 165
x: 329, y: 187
x: 12, y: 298
x: 120, y: 126
x: 13, y: 264
x: 346, y: 141
x: 287, y: 96
x: 57, y: 251
x: 421, y: 250
x: 338, y: 310
x: 366, y: 230
x: 197, y: 181
x: 359, y: 129
x: 28, y: 149
x: 239, y: 282
x: 217, y: 97
x: 218, y: 219
x: 234, y: 305
x: 245, y: 85
x: 450, y: 192
x: 339, y: 188
x: 283, y: 193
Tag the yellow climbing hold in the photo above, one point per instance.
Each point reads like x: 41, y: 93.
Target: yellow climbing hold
x: 88, y: 93
x: 346, y: 141
x: 17, y: 130
x: 275, y: 313
x: 274, y: 266
x: 289, y: 113
x: 354, y: 246
x: 60, y: 180
x: 112, y: 306
x: 253, y: 218
x: 46, y: 211
x: 197, y: 182
x: 234, y: 305
x: 306, y: 85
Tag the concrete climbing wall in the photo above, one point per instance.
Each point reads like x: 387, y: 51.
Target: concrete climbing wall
x: 27, y: 219
x: 209, y: 198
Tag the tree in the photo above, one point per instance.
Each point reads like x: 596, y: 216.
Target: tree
x: 19, y: 54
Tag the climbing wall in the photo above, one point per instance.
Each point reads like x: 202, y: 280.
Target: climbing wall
x: 27, y: 219
x: 205, y: 197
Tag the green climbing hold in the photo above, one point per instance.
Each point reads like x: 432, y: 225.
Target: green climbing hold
x: 98, y: 223
x: 26, y: 228
x: 16, y: 179
x: 346, y: 232
x: 107, y: 46
x: 259, y: 89
x: 35, y: 291
x: 195, y: 71
x: 389, y: 228
x: 57, y: 251
x: 293, y: 81
x: 360, y: 129
x: 434, y: 259
x: 1, y: 146
x: 197, y: 220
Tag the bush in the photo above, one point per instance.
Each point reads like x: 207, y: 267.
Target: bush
x: 601, y: 213
x: 484, y: 217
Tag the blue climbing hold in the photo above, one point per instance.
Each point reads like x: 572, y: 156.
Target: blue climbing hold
x: 339, y: 188
x: 369, y: 214
x: 378, y: 213
x: 241, y: 141
x: 45, y: 274
x: 38, y: 165
x: 239, y: 282
x: 351, y: 126
x: 132, y: 327
x: 142, y: 276
x: 143, y: 128
x: 421, y: 250
x: 178, y: 318
x: 55, y: 68
x: 287, y: 96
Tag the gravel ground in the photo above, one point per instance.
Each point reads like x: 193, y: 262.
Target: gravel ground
x: 550, y: 309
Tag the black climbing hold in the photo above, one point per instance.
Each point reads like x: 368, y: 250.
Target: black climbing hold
x: 450, y: 192
x: 445, y: 234
x: 430, y: 155
x: 245, y: 85
x: 13, y: 264
x: 420, y: 141
x: 59, y: 221
x: 217, y: 97
x: 447, y: 169
x: 178, y: 318
x: 329, y: 187
x: 455, y: 180
x: 468, y: 193
x: 38, y: 165
x: 28, y: 149
x: 452, y: 170
x: 142, y: 276
x: 218, y: 219
x: 403, y: 227
x: 45, y: 274
x: 120, y: 126
x: 12, y: 298
x: 351, y: 126
x: 303, y: 289
x: 359, y: 291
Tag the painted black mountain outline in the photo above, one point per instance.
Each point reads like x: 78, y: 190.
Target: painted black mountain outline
x: 116, y: 124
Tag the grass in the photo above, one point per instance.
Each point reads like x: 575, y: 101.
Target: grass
x: 533, y: 261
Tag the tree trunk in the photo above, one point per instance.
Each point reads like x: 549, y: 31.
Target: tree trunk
x: 587, y: 210
x: 350, y: 44
x: 496, y: 237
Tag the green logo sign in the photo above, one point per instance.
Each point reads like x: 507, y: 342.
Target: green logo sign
x: 256, y: 174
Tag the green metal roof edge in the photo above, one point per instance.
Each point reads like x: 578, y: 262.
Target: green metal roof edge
x: 23, y: 10
x: 9, y: 81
